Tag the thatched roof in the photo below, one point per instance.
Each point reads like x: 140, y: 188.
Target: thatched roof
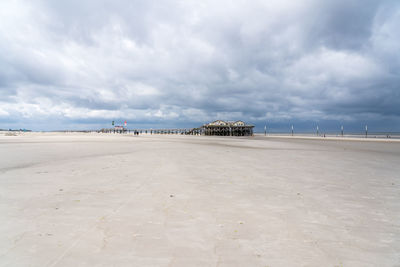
x: 227, y: 124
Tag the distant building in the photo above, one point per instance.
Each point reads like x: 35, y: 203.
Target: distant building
x: 227, y: 128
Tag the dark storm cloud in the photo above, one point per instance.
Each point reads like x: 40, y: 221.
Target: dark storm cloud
x: 82, y: 63
x: 342, y: 24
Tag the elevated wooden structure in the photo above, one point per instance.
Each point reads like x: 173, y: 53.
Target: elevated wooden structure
x: 218, y: 127
x: 227, y: 128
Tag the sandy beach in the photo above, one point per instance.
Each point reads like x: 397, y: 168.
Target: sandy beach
x: 70, y: 199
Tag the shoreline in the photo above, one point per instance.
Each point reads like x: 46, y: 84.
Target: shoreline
x: 330, y: 138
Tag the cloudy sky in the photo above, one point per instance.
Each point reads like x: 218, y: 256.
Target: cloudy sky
x: 180, y: 63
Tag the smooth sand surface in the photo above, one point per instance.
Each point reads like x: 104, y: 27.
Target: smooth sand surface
x: 119, y: 200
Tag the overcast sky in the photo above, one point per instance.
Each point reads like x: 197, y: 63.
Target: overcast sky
x: 174, y: 63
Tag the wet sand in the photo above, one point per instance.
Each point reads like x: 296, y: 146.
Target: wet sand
x: 123, y: 200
